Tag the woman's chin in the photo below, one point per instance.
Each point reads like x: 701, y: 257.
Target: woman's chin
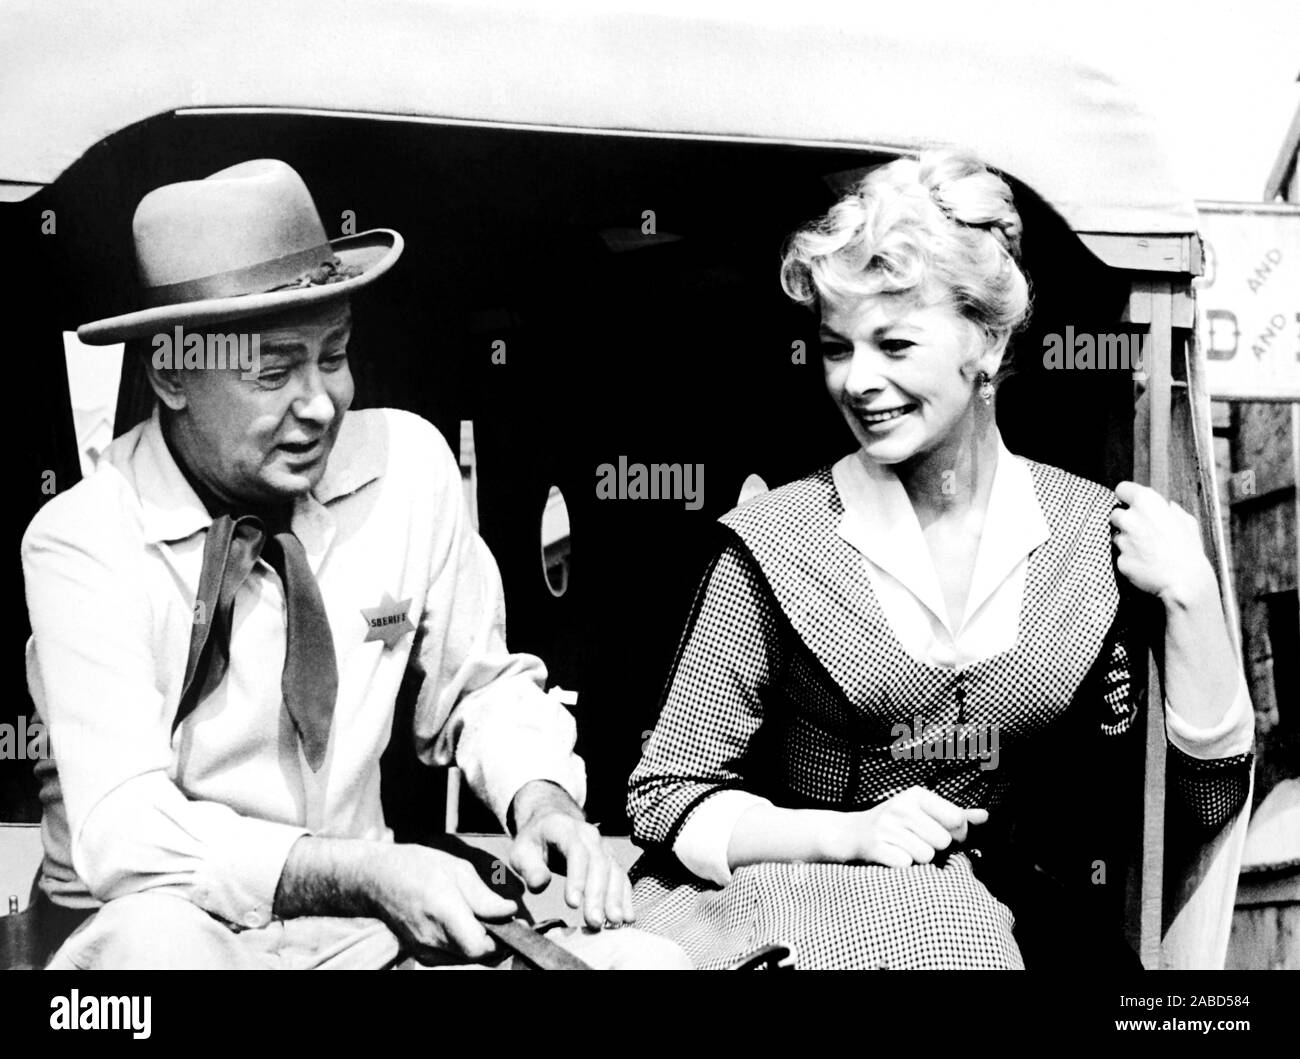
x: 886, y: 450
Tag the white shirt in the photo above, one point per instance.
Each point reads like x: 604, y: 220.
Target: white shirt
x: 882, y: 526
x: 209, y: 813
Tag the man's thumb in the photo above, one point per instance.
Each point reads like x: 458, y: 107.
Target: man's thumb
x: 528, y: 858
x: 485, y: 902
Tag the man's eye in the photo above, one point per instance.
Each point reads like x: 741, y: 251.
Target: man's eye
x: 272, y: 378
x: 334, y: 361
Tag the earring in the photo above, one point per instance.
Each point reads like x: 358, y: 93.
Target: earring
x: 985, y: 387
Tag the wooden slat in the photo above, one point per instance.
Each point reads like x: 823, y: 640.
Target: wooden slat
x: 1138, y: 310
x: 1180, y: 253
x: 1155, y: 470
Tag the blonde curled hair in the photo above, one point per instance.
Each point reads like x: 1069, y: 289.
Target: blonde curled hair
x: 943, y: 221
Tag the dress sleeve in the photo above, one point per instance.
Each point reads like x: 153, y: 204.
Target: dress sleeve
x: 1204, y: 791
x: 712, y: 708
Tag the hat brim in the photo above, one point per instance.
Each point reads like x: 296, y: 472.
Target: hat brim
x: 374, y: 252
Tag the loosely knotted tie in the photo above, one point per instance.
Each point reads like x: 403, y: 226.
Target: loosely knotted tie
x: 309, y: 679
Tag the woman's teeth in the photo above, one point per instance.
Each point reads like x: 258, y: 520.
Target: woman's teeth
x: 884, y: 417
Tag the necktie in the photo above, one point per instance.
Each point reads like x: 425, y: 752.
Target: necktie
x: 309, y: 679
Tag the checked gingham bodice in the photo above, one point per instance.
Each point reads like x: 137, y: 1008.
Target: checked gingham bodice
x: 789, y: 681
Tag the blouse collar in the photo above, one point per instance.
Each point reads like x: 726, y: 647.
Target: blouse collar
x: 880, y: 523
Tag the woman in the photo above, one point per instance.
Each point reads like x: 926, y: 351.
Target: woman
x: 877, y: 647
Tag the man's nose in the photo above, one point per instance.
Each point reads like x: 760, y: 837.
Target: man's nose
x: 314, y: 402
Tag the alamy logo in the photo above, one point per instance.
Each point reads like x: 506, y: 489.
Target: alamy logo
x: 77, y: 1012
x: 657, y: 481
x: 945, y: 742
x: 1085, y: 351
x: 24, y: 741
x: 214, y: 352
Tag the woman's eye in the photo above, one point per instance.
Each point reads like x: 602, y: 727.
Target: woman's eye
x: 896, y: 347
x: 835, y: 350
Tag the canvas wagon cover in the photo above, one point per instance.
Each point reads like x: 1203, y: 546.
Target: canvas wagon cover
x: 812, y: 72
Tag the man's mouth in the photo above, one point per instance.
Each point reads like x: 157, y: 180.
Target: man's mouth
x: 302, y: 448
x: 877, y: 417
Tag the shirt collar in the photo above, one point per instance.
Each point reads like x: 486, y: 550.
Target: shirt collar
x: 172, y: 511
x: 880, y: 523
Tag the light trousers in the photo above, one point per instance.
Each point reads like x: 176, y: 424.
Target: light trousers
x: 146, y: 931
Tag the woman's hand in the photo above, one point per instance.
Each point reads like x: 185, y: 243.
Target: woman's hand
x: 909, y: 828
x: 1159, y: 545
x: 1160, y: 552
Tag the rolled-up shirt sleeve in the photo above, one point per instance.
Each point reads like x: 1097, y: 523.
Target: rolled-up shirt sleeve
x: 480, y: 705
x: 96, y: 684
x: 705, y: 839
x: 1231, y: 737
x: 147, y: 835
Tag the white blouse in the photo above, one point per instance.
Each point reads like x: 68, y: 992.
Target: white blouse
x: 880, y: 523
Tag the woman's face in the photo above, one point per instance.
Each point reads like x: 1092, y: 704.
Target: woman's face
x: 902, y: 371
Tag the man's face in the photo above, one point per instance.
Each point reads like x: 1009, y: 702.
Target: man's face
x: 266, y: 439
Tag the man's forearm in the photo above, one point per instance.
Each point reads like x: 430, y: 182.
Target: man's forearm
x: 541, y: 796
x: 327, y: 877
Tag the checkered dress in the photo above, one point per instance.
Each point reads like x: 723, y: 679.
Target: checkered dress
x: 789, y: 682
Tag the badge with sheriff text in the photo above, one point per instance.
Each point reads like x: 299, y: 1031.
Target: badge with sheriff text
x: 388, y: 621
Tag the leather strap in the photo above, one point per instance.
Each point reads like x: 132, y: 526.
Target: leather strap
x: 534, y: 948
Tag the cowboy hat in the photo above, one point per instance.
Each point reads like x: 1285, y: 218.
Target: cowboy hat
x: 242, y: 242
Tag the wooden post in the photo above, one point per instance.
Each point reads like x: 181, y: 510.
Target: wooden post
x: 1151, y: 302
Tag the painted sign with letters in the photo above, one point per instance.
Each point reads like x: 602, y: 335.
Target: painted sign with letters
x: 1249, y: 300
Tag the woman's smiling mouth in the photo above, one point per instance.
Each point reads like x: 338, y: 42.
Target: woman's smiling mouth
x: 882, y: 416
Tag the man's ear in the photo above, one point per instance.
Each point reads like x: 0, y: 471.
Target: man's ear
x: 164, y: 381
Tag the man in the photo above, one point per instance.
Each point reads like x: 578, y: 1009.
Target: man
x: 222, y: 615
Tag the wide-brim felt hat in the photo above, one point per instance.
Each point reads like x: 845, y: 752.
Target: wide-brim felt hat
x: 245, y: 241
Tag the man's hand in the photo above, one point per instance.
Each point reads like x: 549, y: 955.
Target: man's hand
x: 433, y: 902
x: 548, y: 822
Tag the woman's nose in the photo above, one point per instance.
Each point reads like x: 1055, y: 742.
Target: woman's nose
x: 863, y: 371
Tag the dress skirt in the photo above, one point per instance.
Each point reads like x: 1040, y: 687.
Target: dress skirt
x: 835, y: 916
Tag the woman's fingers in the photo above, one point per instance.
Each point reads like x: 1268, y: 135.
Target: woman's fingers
x: 951, y: 816
x: 1133, y: 495
x: 892, y: 855
x: 929, y: 830
x: 915, y: 825
x: 936, y: 820
x: 902, y: 833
